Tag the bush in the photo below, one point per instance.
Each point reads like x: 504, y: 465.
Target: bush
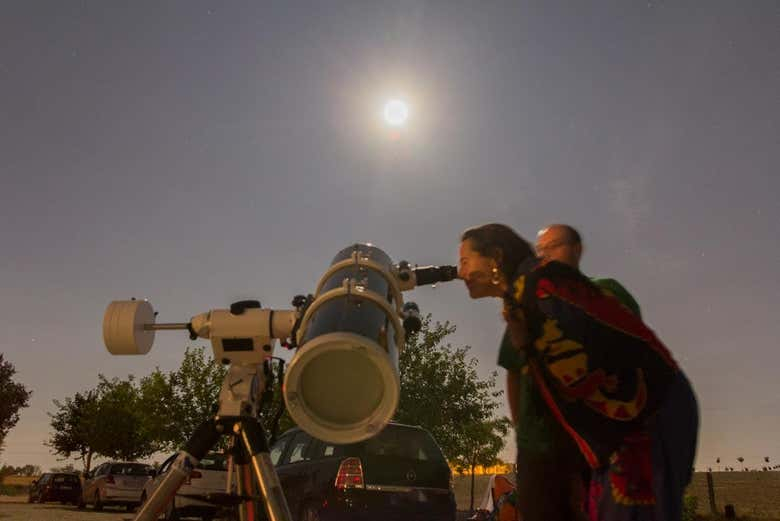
x: 690, y: 504
x: 13, y: 490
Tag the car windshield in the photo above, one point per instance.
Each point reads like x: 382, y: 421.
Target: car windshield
x: 213, y: 462
x: 130, y: 469
x: 404, y: 443
x: 66, y: 479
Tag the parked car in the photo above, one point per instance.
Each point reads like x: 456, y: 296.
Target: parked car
x: 400, y: 474
x: 209, y: 476
x: 56, y: 486
x: 116, y: 483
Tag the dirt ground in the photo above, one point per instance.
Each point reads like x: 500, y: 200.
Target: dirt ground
x: 56, y: 512
x: 14, y: 509
x: 756, y: 495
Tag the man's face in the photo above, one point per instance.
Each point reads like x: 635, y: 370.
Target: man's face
x: 476, y: 271
x: 554, y: 244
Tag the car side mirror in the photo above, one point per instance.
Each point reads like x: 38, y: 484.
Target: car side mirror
x: 152, y: 472
x: 87, y: 475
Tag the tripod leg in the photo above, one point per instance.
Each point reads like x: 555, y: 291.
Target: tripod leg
x: 253, y: 439
x: 250, y: 489
x: 202, y: 440
x: 241, y: 489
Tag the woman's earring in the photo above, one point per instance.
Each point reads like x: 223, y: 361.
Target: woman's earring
x: 495, y: 280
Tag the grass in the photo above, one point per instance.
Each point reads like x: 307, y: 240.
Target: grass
x: 753, y: 494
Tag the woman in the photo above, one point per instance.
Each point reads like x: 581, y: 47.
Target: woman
x: 585, y: 378
x: 548, y: 463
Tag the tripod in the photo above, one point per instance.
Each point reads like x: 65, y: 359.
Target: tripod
x: 236, y: 417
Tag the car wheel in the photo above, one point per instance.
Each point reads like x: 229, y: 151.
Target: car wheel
x: 309, y: 513
x: 98, y: 503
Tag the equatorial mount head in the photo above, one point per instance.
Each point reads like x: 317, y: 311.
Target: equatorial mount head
x: 244, y: 334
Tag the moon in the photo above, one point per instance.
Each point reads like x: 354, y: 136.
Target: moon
x: 396, y: 113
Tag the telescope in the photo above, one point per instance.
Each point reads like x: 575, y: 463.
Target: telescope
x: 342, y: 383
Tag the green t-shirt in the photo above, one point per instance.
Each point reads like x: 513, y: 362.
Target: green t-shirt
x: 616, y: 289
x: 536, y: 427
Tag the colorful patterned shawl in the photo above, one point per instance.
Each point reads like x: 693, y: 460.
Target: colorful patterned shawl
x: 600, y: 369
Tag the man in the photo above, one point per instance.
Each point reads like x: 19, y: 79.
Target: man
x: 562, y: 243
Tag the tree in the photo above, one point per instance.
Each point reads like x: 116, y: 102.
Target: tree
x: 741, y: 461
x: 14, y: 397
x: 108, y: 420
x: 25, y: 470
x: 122, y: 431
x: 485, y: 440
x: 75, y: 426
x: 441, y: 391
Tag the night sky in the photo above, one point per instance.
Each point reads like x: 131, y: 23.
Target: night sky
x: 196, y: 153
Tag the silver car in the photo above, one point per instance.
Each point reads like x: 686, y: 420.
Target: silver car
x: 191, y: 500
x: 116, y: 483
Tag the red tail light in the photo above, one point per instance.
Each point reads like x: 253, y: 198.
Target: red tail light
x: 350, y: 474
x: 193, y: 475
x: 110, y: 479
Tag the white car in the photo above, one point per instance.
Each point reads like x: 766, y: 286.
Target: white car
x: 115, y: 483
x: 208, y: 477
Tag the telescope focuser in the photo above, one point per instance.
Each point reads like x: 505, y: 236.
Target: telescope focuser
x: 410, y: 278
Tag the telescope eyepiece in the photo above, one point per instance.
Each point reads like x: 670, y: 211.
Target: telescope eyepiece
x: 433, y: 274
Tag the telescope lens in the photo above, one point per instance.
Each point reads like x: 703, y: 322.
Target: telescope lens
x: 342, y: 386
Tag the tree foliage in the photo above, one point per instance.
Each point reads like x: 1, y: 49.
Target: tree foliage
x: 24, y: 470
x: 484, y: 442
x: 123, y: 431
x: 442, y: 392
x: 75, y: 423
x: 195, y: 391
x: 14, y: 397
x: 273, y: 406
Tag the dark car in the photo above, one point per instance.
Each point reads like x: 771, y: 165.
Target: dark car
x: 399, y: 474
x: 56, y: 486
